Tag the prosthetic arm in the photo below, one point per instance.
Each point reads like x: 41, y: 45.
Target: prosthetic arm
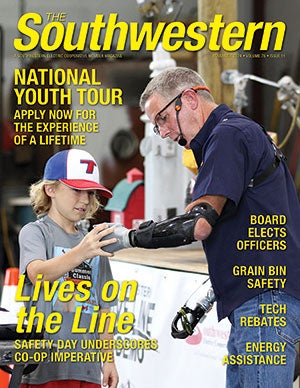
x: 172, y: 232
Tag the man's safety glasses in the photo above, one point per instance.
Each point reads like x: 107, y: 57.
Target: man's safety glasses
x: 160, y: 120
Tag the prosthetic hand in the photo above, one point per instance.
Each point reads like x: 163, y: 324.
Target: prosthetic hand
x: 189, y: 318
x: 121, y: 234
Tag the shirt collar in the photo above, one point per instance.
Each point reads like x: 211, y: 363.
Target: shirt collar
x: 201, y: 137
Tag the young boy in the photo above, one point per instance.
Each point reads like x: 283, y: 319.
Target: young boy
x: 56, y: 249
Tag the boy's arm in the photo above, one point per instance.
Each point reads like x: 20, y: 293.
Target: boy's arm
x: 110, y: 376
x: 89, y: 247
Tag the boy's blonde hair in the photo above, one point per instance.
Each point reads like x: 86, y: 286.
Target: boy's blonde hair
x: 41, y: 202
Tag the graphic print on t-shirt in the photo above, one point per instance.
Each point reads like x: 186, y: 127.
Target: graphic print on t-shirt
x: 86, y: 271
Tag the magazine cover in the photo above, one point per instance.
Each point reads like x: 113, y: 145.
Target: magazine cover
x: 150, y: 184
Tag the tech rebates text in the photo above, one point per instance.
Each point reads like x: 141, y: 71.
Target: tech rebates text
x: 54, y: 32
x: 67, y: 291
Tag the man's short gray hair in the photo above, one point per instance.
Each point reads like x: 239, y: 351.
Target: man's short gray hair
x: 171, y: 82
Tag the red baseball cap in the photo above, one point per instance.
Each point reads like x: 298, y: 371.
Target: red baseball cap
x: 76, y: 169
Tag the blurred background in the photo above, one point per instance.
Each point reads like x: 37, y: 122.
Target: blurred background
x: 116, y: 147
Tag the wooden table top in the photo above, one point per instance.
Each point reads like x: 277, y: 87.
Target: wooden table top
x: 181, y: 259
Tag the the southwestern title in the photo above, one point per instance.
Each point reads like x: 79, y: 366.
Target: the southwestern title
x: 99, y: 35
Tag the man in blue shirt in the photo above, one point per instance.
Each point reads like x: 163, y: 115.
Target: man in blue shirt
x: 246, y: 211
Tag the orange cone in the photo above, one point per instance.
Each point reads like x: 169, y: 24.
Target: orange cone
x: 4, y: 379
x: 9, y: 290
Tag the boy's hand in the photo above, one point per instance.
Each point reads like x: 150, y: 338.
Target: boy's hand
x: 93, y: 243
x: 110, y: 375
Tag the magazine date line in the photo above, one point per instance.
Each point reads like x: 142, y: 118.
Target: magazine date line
x: 250, y: 55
